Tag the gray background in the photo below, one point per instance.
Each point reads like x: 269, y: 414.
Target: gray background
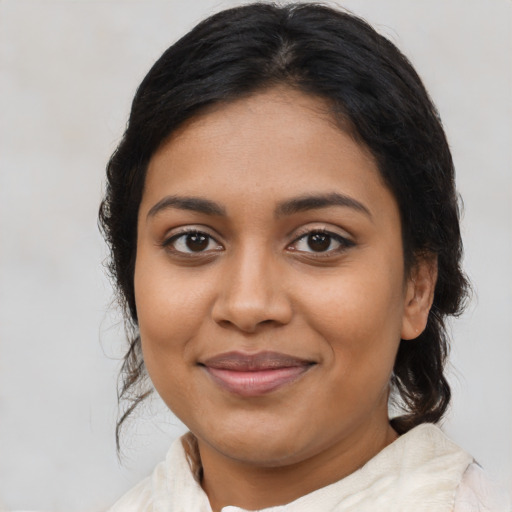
x: 68, y: 71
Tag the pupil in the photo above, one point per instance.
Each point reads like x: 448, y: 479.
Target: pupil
x: 197, y: 241
x: 319, y: 242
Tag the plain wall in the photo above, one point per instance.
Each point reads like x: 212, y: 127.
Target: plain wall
x: 68, y: 72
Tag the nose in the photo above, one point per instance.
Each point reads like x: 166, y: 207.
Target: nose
x: 252, y: 293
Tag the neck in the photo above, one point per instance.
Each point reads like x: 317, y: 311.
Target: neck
x: 228, y: 481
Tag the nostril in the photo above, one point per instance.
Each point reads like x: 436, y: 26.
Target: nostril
x: 249, y: 304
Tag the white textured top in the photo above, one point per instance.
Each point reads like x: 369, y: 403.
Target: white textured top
x: 477, y: 493
x: 422, y: 471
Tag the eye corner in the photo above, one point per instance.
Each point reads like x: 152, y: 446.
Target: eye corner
x: 320, y: 242
x: 191, y: 242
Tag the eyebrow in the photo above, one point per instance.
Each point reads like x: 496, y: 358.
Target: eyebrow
x: 195, y: 204
x: 289, y: 207
x: 313, y: 202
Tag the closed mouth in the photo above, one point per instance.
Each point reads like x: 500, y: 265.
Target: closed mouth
x: 255, y: 374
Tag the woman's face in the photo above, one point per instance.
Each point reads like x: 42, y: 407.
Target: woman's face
x: 269, y: 281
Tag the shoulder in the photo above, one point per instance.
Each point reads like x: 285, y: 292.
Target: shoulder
x: 138, y: 499
x: 172, y: 487
x: 144, y: 496
x: 478, y: 493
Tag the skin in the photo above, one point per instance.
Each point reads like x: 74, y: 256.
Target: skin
x: 257, y: 285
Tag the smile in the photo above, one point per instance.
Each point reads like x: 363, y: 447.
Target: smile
x: 252, y: 375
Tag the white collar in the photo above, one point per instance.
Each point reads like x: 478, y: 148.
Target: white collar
x: 420, y: 471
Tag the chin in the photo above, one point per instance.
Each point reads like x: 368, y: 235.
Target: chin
x: 260, y: 445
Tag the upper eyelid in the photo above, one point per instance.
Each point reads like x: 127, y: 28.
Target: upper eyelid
x: 295, y: 235
x: 183, y: 230
x: 170, y: 238
x: 321, y: 228
x: 168, y: 244
x: 345, y: 240
x: 339, y: 238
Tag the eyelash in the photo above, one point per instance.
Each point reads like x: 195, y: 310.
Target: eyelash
x: 344, y: 243
x: 169, y: 243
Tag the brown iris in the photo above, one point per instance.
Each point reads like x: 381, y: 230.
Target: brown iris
x: 319, y: 242
x: 196, y: 242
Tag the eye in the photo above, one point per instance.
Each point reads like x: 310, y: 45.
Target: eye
x: 192, y: 242
x: 321, y: 241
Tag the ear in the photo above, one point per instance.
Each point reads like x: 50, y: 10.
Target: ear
x: 419, y: 296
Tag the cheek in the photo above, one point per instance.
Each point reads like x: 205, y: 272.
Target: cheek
x: 167, y: 316
x: 168, y: 310
x: 359, y: 314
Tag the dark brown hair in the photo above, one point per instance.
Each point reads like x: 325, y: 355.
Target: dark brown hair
x: 374, y: 93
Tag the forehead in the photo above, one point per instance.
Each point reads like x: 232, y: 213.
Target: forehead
x: 272, y: 143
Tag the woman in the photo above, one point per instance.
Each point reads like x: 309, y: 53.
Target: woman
x: 285, y: 237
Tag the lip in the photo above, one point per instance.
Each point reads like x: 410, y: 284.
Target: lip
x: 257, y: 374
